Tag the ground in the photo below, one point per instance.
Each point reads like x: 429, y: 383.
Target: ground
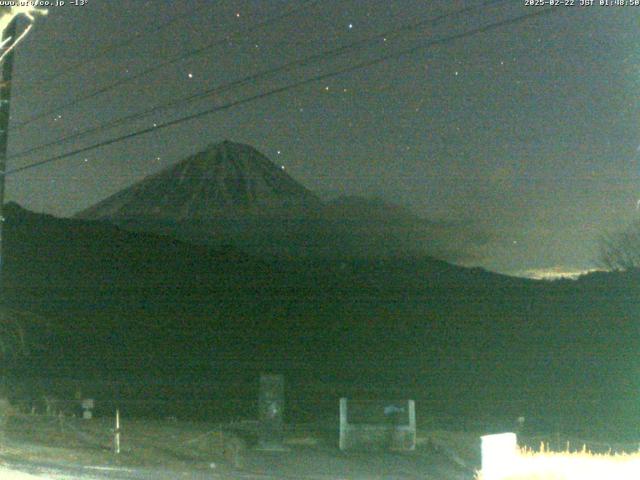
x: 72, y: 448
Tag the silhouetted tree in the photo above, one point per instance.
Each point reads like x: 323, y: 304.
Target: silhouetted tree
x: 621, y: 250
x: 17, y: 337
x: 13, y: 347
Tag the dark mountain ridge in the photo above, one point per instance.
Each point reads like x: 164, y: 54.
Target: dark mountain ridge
x: 124, y: 303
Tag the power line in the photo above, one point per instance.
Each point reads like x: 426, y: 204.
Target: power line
x: 264, y: 73
x: 156, y: 67
x: 360, y: 66
x: 34, y: 84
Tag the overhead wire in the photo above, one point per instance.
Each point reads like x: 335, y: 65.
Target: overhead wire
x: 83, y: 62
x: 159, y: 66
x: 268, y: 93
x: 324, y: 55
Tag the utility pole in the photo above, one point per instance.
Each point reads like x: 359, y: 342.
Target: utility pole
x: 5, y: 95
x: 5, y: 98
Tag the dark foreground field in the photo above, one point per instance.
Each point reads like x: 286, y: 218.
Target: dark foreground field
x: 52, y: 447
x: 69, y: 448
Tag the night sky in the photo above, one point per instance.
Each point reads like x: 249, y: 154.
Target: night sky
x: 528, y: 132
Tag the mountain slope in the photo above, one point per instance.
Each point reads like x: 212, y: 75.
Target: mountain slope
x: 382, y: 229
x: 225, y: 180
x: 232, y: 194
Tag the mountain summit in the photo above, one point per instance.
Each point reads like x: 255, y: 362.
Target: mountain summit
x: 231, y: 194
x: 226, y: 180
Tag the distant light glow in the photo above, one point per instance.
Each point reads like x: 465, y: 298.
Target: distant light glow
x: 556, y: 273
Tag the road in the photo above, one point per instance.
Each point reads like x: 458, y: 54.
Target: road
x: 30, y: 472
x: 358, y: 468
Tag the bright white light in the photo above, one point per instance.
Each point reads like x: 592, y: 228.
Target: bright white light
x: 7, y: 14
x: 499, y: 455
x: 577, y: 466
x: 502, y: 459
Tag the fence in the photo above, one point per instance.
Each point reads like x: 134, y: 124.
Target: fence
x: 315, y: 402
x: 201, y: 413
